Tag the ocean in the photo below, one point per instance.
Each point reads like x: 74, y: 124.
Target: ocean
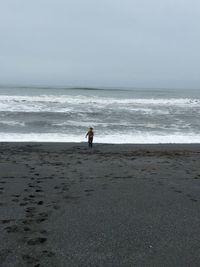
x: 117, y: 115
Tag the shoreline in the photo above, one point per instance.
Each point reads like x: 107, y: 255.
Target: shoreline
x: 105, y: 146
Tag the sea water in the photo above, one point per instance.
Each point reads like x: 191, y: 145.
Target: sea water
x: 117, y: 115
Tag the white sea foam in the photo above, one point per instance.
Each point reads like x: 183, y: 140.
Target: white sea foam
x: 62, y: 118
x: 12, y: 123
x: 66, y: 103
x: 92, y: 123
x: 114, y: 139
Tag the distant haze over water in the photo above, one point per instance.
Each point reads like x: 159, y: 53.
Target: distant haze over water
x: 126, y: 115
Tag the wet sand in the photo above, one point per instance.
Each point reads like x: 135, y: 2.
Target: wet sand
x: 113, y: 205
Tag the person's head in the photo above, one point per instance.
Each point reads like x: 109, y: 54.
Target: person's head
x: 91, y: 128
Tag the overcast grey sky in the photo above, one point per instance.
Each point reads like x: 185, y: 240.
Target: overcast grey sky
x: 100, y: 42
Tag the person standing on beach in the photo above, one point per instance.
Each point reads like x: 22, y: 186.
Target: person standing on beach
x: 90, y: 135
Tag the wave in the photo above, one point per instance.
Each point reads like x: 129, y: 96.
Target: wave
x: 65, y: 88
x: 92, y: 123
x: 96, y: 99
x: 113, y: 139
x: 12, y: 123
x: 68, y: 103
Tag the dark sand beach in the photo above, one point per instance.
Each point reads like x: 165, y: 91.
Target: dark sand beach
x: 113, y: 205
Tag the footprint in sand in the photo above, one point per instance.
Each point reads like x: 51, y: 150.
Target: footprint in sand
x: 44, y: 232
x: 15, y: 200
x: 65, y: 188
x: 27, y: 229
x: 32, y: 196
x: 23, y: 203
x: 15, y: 195
x: 27, y: 190
x: 193, y: 199
x: 12, y: 229
x: 5, y: 221
x: 42, y: 216
x: 36, y: 241
x: 30, y: 209
x: 30, y: 260
x: 40, y: 202
x: 30, y: 185
x: 38, y: 190
x: 178, y: 191
x: 27, y: 221
x: 56, y: 187
x: 89, y: 190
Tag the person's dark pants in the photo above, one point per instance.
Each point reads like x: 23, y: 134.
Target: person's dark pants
x: 90, y: 140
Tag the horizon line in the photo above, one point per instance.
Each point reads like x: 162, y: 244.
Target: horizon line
x: 79, y: 87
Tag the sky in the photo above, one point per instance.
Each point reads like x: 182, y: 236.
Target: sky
x: 137, y: 43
